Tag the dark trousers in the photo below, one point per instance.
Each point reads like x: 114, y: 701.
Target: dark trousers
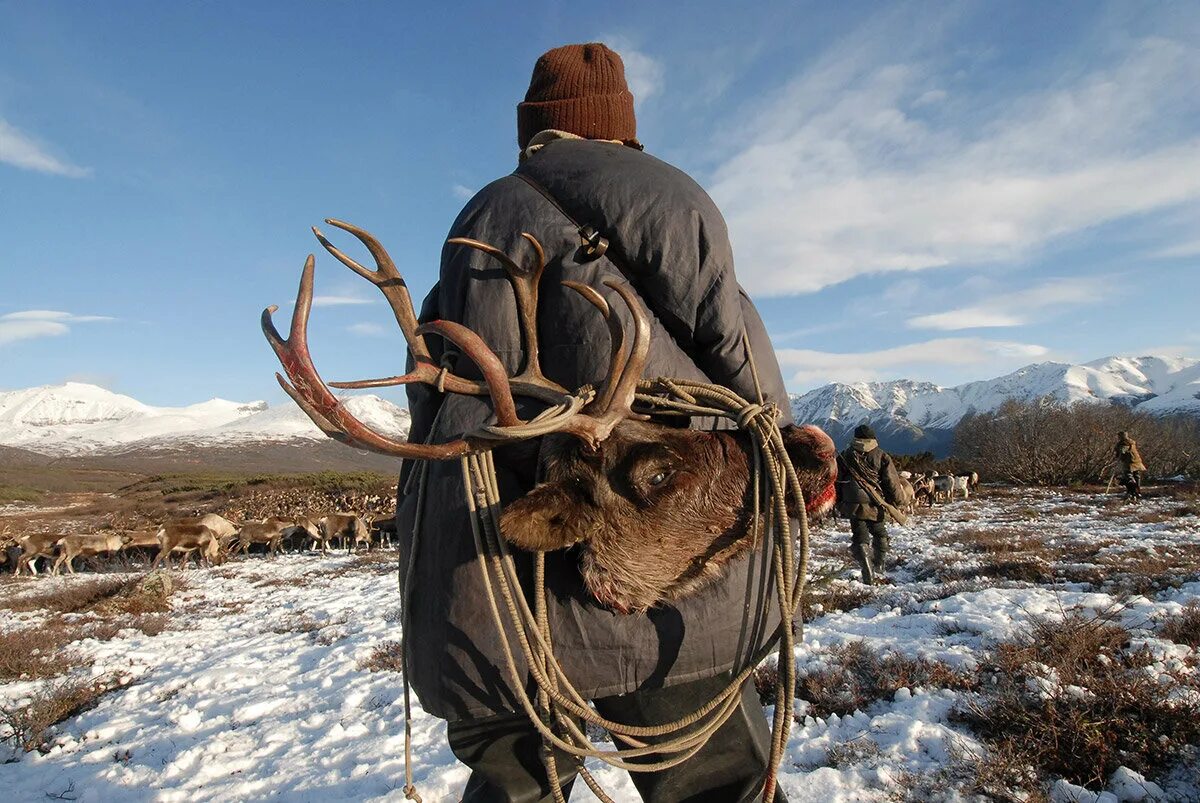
x: 1132, y: 480
x: 505, y: 752
x: 869, y: 545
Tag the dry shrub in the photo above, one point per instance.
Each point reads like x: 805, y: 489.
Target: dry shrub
x: 37, y: 652
x: 67, y: 597
x: 1183, y: 628
x: 148, y: 593
x: 834, y: 597
x: 766, y: 681
x: 992, y: 542
x: 857, y: 676
x: 387, y: 657
x: 28, y: 726
x: 1098, y: 711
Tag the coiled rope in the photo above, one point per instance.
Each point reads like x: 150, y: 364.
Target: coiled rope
x: 557, y: 708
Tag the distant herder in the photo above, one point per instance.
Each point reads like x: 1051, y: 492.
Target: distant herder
x: 868, y: 491
x: 1129, y: 460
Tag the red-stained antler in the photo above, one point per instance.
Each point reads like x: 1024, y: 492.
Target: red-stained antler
x: 581, y: 413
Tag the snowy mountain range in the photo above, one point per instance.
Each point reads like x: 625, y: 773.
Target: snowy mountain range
x: 79, y: 419
x: 913, y: 416
x: 75, y: 419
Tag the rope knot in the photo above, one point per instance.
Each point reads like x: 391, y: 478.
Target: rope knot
x: 410, y: 793
x: 757, y: 414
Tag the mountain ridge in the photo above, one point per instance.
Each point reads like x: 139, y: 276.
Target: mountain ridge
x: 913, y: 416
x: 75, y: 419
x: 80, y: 420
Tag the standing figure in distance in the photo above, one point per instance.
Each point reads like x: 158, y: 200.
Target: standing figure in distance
x: 1130, y: 462
x: 868, y: 491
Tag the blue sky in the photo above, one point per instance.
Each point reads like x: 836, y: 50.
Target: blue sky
x: 944, y: 193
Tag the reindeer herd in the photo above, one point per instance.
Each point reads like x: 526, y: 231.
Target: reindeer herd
x: 210, y: 539
x: 925, y: 489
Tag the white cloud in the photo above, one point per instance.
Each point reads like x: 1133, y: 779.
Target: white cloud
x: 841, y: 173
x: 643, y: 73
x: 366, y: 329
x: 807, y: 367
x: 1016, y: 308
x: 339, y: 301
x: 21, y: 150
x: 462, y: 192
x: 31, y: 324
x: 1179, y: 250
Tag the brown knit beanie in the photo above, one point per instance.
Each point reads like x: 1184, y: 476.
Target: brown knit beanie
x: 579, y: 89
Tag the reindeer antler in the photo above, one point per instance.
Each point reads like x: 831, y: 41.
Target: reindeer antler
x: 581, y: 413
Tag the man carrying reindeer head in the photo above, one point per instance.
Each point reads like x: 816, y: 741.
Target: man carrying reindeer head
x: 604, y: 212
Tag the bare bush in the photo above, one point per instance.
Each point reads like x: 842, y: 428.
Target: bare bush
x: 857, y: 676
x: 66, y: 598
x: 1073, y: 701
x: 1183, y: 628
x: 37, y: 652
x: 387, y: 657
x: 1048, y: 443
x: 28, y: 726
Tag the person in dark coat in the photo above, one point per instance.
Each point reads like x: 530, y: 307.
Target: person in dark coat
x: 1129, y: 460
x: 867, y: 478
x: 581, y: 164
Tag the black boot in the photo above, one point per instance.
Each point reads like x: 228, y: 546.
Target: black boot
x: 864, y: 563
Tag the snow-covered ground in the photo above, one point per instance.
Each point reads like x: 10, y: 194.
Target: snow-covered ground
x: 257, y: 689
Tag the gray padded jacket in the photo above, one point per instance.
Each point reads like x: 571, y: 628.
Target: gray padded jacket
x: 671, y: 240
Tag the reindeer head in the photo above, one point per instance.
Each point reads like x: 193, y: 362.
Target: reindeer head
x: 655, y: 511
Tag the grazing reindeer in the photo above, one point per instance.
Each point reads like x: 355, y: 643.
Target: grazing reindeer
x: 304, y: 532
x: 188, y: 539
x: 907, y: 493
x: 38, y: 545
x: 87, y: 546
x: 8, y: 547
x: 630, y: 495
x: 141, y: 543
x: 943, y: 487
x: 923, y: 490
x: 351, y: 529
x: 224, y: 529
x: 269, y: 532
x: 385, y: 528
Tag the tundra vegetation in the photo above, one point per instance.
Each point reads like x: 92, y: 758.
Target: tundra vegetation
x: 1030, y: 638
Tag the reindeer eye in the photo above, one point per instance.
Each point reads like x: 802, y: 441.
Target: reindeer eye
x: 657, y: 479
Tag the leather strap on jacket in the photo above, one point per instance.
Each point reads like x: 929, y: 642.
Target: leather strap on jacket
x: 593, y: 244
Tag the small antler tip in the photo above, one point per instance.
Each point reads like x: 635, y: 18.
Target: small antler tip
x: 271, y: 309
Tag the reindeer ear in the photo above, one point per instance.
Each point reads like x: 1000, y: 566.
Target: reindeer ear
x: 542, y: 520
